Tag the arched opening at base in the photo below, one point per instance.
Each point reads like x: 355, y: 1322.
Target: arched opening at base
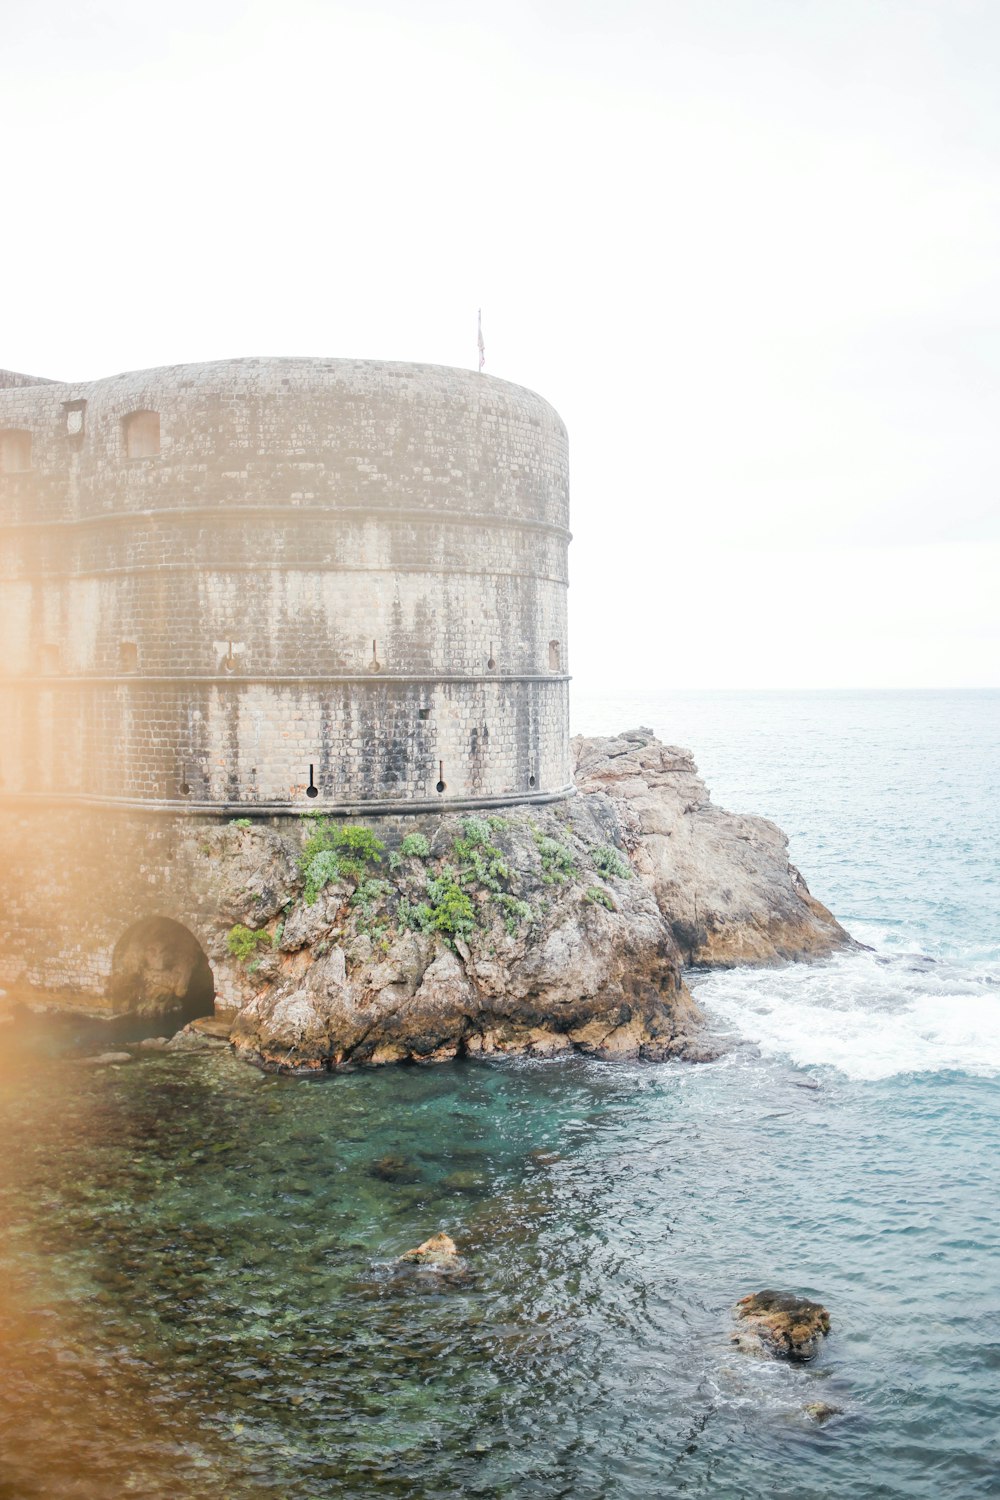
x: 159, y: 972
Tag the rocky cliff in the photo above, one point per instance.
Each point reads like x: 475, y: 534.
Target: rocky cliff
x: 722, y: 880
x: 538, y: 932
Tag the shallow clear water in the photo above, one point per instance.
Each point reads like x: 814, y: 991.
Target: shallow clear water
x: 198, y: 1294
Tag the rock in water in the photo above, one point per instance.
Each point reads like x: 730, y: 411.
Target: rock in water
x: 780, y: 1325
x: 541, y: 930
x: 722, y: 880
x: 822, y: 1411
x: 103, y: 1059
x: 440, y: 1251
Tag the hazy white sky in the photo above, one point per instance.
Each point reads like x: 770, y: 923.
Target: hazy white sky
x: 750, y: 249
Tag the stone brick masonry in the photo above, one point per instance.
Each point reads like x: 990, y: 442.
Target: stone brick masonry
x: 261, y: 587
x: 287, y: 574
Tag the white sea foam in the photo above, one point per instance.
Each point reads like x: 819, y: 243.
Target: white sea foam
x: 869, y: 1015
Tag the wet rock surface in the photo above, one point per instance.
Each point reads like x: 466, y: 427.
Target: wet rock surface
x: 781, y: 1325
x: 440, y: 1252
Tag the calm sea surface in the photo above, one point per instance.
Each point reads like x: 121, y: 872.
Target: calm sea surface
x: 197, y: 1291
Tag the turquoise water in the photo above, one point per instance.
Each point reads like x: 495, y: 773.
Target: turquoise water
x: 199, y: 1289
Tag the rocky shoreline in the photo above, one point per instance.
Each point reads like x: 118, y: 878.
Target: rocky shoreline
x: 537, y: 931
x: 540, y: 932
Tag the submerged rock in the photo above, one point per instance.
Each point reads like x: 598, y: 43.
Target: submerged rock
x: 103, y: 1059
x: 440, y: 1252
x: 780, y: 1325
x: 191, y: 1038
x: 822, y: 1411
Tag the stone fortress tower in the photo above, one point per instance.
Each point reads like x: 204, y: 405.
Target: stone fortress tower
x: 257, y: 588
x: 283, y: 585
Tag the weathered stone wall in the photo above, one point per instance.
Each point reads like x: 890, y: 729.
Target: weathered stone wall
x: 341, y: 575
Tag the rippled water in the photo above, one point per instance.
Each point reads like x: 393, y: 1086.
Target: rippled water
x: 198, y: 1294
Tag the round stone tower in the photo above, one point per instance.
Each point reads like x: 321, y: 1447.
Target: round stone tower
x: 282, y: 585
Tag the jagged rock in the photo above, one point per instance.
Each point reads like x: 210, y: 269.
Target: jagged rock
x: 576, y: 960
x: 563, y: 951
x: 193, y: 1039
x: 440, y: 1251
x: 780, y: 1325
x: 822, y: 1411
x: 253, y: 869
x: 722, y: 880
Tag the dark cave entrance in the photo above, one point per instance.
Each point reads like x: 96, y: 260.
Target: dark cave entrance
x: 161, y: 976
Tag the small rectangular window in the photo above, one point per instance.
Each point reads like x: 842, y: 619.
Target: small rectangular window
x: 15, y: 451
x: 142, y: 434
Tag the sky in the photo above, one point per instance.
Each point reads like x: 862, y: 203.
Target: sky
x: 749, y: 249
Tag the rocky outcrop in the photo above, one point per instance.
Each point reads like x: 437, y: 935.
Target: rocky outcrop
x: 781, y: 1325
x: 478, y: 936
x: 440, y: 1252
x: 722, y: 880
x: 543, y: 931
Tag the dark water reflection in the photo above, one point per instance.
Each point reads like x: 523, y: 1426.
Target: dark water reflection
x: 199, y: 1295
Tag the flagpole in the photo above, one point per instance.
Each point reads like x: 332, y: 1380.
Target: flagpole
x: 479, y: 342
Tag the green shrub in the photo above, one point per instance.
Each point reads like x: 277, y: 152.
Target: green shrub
x: 609, y: 862
x: 479, y: 859
x: 337, y: 851
x: 321, y: 869
x: 515, y: 912
x: 452, y: 912
x: 240, y: 823
x: 418, y: 916
x: 414, y: 846
x: 243, y: 942
x: 595, y: 895
x: 369, y: 891
x: 558, y: 863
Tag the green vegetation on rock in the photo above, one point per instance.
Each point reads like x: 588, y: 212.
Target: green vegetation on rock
x: 415, y: 846
x: 558, y: 863
x: 243, y: 942
x: 595, y: 895
x: 608, y: 862
x: 337, y: 851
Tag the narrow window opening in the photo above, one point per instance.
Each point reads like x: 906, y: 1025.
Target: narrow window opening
x: 441, y: 781
x: 423, y: 713
x: 128, y: 656
x: 312, y: 790
x: 74, y: 417
x: 185, y: 785
x: 15, y: 452
x: 531, y: 780
x: 229, y: 660
x: 374, y: 665
x: 554, y: 663
x: 491, y: 660
x: 142, y: 434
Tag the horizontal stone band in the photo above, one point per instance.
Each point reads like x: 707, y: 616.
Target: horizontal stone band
x: 238, y: 512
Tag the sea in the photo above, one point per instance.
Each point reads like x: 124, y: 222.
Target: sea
x: 199, y: 1294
